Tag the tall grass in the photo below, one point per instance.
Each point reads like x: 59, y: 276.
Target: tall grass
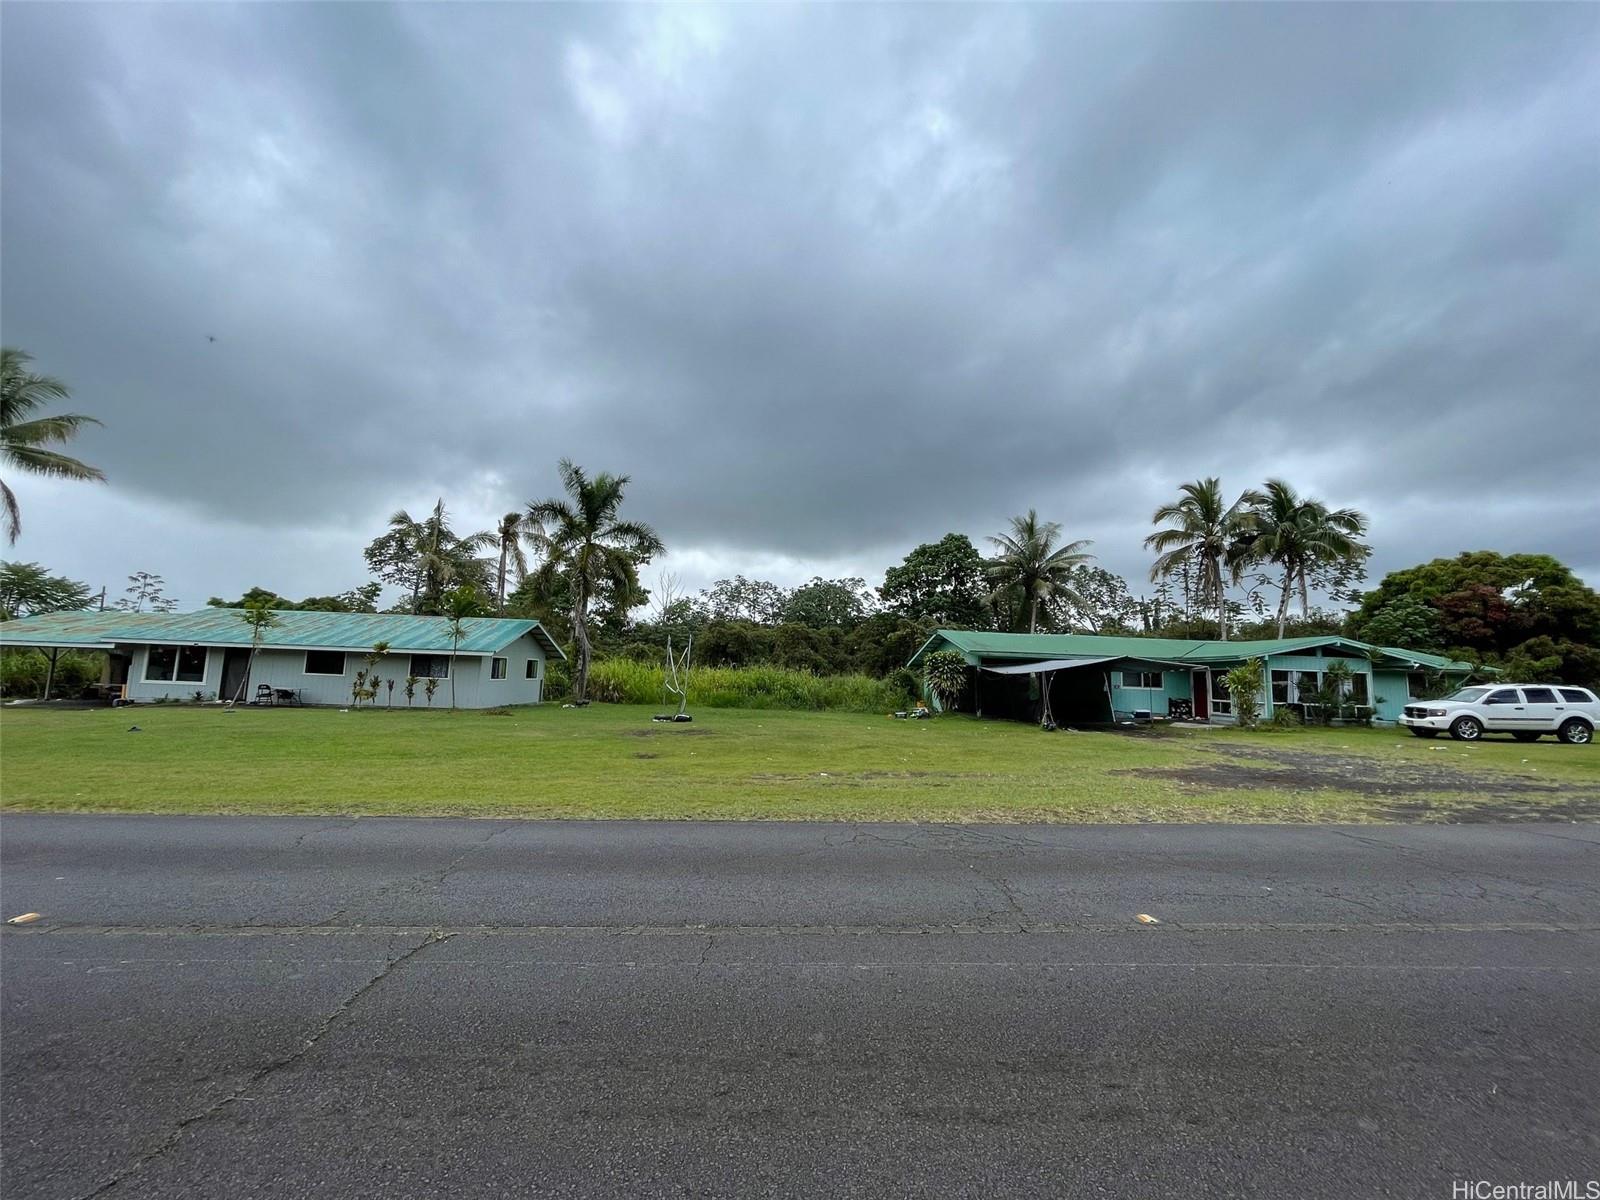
x: 626, y: 681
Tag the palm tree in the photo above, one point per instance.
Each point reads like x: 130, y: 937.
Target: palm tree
x: 1031, y: 563
x: 441, y: 554
x: 1203, y: 531
x: 1297, y: 534
x: 582, y: 536
x: 23, y: 436
x: 509, y: 534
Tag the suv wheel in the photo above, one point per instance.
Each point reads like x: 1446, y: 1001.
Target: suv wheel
x: 1526, y: 736
x: 1424, y: 732
x: 1575, y: 732
x: 1467, y: 729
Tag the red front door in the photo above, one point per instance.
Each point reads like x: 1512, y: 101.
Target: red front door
x: 1202, y: 696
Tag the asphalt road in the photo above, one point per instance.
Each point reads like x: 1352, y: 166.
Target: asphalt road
x: 393, y: 1008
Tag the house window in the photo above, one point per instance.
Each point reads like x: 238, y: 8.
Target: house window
x: 430, y: 666
x: 497, y: 668
x: 1356, y: 690
x: 175, y: 664
x: 1280, y: 687
x: 1221, y: 702
x: 531, y: 670
x: 1417, y: 686
x: 1142, y: 679
x: 324, y: 662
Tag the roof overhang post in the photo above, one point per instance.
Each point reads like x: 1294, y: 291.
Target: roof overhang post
x: 50, y: 671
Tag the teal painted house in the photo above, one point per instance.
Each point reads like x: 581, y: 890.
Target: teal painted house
x: 1094, y: 679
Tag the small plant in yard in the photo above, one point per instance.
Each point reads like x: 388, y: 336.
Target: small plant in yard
x: 459, y: 604
x: 429, y: 688
x: 411, y: 689
x: 946, y: 673
x: 1284, y: 717
x: 358, y: 688
x: 1244, y: 689
x: 371, y: 659
x: 390, y: 684
x: 260, y: 618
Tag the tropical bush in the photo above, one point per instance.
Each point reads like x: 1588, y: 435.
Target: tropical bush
x: 627, y: 681
x: 22, y: 672
x: 1244, y: 685
x: 946, y: 673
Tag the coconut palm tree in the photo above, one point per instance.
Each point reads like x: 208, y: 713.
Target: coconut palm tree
x: 1203, y: 532
x: 24, y: 437
x: 1032, y: 564
x: 582, y: 537
x: 1296, y: 534
x: 442, y: 557
x: 509, y: 534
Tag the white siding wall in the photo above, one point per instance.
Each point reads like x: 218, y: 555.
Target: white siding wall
x: 286, y: 669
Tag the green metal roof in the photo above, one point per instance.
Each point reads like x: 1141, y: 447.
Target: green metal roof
x: 298, y: 630
x: 983, y: 644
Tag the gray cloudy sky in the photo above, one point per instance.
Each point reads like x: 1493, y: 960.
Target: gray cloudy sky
x: 827, y: 281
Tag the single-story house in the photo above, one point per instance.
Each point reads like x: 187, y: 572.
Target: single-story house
x: 1096, y: 679
x: 314, y: 655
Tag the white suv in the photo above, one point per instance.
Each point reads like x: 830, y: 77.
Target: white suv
x: 1523, y: 710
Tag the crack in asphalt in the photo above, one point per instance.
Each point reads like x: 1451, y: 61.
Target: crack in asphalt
x: 263, y: 1073
x: 1419, y: 856
x: 432, y: 879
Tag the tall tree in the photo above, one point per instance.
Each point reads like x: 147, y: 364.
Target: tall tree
x: 25, y: 438
x: 942, y: 582
x: 146, y: 591
x: 1202, y: 532
x: 1035, y: 564
x: 428, y: 557
x: 27, y: 589
x: 1296, y: 534
x: 508, y: 535
x: 582, y: 536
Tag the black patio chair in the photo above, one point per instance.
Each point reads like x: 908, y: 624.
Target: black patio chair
x: 265, y: 694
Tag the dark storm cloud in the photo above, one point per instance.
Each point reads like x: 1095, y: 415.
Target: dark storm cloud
x: 826, y: 280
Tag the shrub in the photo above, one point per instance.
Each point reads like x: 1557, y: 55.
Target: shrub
x: 626, y: 681
x: 557, y: 680
x: 1284, y: 717
x: 22, y: 672
x: 1244, y: 689
x: 946, y: 673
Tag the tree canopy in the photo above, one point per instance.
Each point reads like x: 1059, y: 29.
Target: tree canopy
x: 27, y: 590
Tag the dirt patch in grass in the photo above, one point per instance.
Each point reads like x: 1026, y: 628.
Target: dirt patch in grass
x: 675, y: 728
x: 1431, y: 792
x: 1467, y: 811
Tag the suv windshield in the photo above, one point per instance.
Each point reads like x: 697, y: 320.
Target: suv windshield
x: 1468, y: 695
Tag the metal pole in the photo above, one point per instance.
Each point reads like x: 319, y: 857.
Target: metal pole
x: 50, y: 673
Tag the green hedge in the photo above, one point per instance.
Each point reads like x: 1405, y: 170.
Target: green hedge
x: 627, y: 681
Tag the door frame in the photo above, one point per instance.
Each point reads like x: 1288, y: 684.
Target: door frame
x: 1200, y: 693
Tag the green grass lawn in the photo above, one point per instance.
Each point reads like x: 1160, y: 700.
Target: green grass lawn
x: 611, y: 761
